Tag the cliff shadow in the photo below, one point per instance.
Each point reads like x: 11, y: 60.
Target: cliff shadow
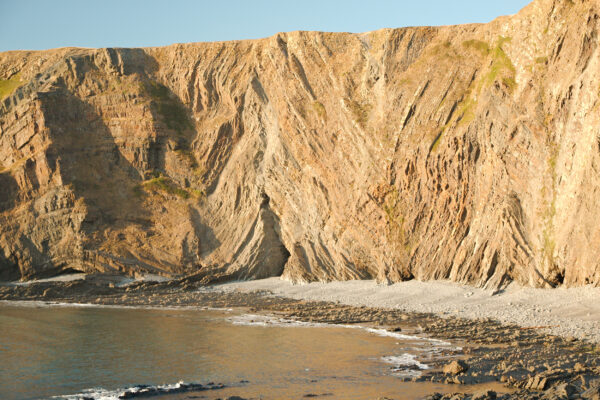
x: 9, y: 190
x: 208, y: 241
x: 174, y: 124
x: 88, y: 158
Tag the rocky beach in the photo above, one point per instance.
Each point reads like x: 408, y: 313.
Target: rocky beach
x: 529, y: 362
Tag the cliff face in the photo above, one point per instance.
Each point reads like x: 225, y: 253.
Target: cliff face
x: 469, y: 153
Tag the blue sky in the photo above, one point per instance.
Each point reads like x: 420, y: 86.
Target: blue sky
x: 42, y: 24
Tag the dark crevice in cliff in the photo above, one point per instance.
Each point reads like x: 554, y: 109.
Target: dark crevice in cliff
x: 8, y: 192
x: 262, y: 253
x: 9, y: 269
x: 274, y: 254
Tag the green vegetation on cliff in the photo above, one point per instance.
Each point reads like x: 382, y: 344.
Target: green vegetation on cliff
x: 168, y: 107
x: 8, y: 86
x: 164, y: 184
x: 360, y: 112
x: 320, y: 109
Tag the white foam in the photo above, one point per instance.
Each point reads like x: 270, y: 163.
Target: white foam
x: 94, y: 393
x: 117, y: 280
x: 53, y: 304
x: 405, y: 365
x: 405, y: 360
x: 60, y: 278
x: 401, y: 336
x: 140, y: 391
x: 146, y: 278
x: 268, y: 320
x: 435, y: 345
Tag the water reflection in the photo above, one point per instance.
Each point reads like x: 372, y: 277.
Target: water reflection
x: 56, y: 351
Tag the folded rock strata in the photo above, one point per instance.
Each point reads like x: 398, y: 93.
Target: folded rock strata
x: 469, y: 153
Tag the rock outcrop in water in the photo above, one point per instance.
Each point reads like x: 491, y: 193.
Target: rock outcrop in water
x: 469, y: 153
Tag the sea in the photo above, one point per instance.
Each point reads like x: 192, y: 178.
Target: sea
x: 71, y: 351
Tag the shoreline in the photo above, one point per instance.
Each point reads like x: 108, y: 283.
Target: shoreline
x: 566, y: 312
x: 525, y: 359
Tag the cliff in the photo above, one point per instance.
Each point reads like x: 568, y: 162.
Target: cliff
x: 469, y: 153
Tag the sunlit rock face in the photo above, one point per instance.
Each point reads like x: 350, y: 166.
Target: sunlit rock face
x: 469, y: 153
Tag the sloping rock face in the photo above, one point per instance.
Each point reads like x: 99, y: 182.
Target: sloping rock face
x: 469, y: 153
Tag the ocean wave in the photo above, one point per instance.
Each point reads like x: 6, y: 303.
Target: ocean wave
x: 268, y: 320
x: 56, y: 304
x: 405, y: 365
x: 401, y: 336
x: 405, y: 360
x: 140, y: 391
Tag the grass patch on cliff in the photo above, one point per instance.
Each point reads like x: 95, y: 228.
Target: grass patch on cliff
x: 162, y: 183
x: 174, y: 115
x: 360, y: 111
x: 320, y: 110
x: 466, y: 111
x: 172, y: 112
x: 390, y: 206
x: 502, y: 67
x: 466, y: 114
x: 481, y: 46
x: 158, y: 91
x: 198, y: 193
x: 186, y: 153
x: 436, y: 141
x: 548, y: 245
x: 395, y: 220
x: 553, y: 158
x: 444, y: 50
x: 8, y: 86
x: 138, y: 191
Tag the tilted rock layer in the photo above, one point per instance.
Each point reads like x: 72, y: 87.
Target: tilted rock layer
x: 469, y: 153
